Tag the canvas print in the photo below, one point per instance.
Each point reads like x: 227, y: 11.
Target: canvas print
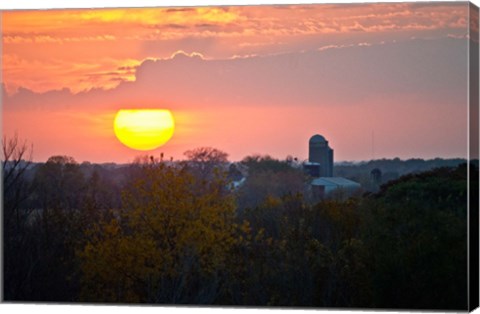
x: 305, y: 156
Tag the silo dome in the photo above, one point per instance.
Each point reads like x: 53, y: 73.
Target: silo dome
x: 317, y: 139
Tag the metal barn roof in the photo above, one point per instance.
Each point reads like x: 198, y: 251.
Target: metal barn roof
x: 335, y: 181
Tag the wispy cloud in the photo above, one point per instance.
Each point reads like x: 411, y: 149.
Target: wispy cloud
x: 35, y: 42
x: 57, y: 25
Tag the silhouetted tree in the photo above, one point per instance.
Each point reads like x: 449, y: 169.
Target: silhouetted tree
x: 60, y: 194
x: 269, y: 177
x: 416, y: 234
x: 18, y: 260
x: 16, y: 159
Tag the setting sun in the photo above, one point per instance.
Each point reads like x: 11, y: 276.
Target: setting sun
x: 144, y: 129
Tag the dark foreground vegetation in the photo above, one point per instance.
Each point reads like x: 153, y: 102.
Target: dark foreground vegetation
x: 182, y: 233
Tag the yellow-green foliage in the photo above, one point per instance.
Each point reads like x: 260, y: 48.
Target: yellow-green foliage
x: 171, y: 227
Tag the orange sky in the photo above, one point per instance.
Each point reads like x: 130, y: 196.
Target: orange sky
x: 253, y: 79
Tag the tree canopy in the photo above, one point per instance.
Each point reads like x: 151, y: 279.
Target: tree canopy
x: 178, y: 232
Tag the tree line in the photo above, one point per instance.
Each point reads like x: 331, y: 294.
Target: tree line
x: 170, y: 232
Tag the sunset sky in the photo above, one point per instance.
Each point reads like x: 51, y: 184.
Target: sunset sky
x: 243, y: 79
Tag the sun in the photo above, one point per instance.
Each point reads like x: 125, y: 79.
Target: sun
x: 144, y: 129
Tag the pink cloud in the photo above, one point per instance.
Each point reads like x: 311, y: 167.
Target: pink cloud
x: 40, y: 38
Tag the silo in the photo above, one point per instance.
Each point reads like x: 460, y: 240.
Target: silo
x: 320, y: 152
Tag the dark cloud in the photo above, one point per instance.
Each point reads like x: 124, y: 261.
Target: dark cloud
x: 434, y: 70
x: 117, y: 79
x: 430, y: 5
x: 167, y: 26
x: 338, y: 75
x: 181, y: 10
x: 175, y: 26
x: 206, y: 25
x: 127, y: 68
